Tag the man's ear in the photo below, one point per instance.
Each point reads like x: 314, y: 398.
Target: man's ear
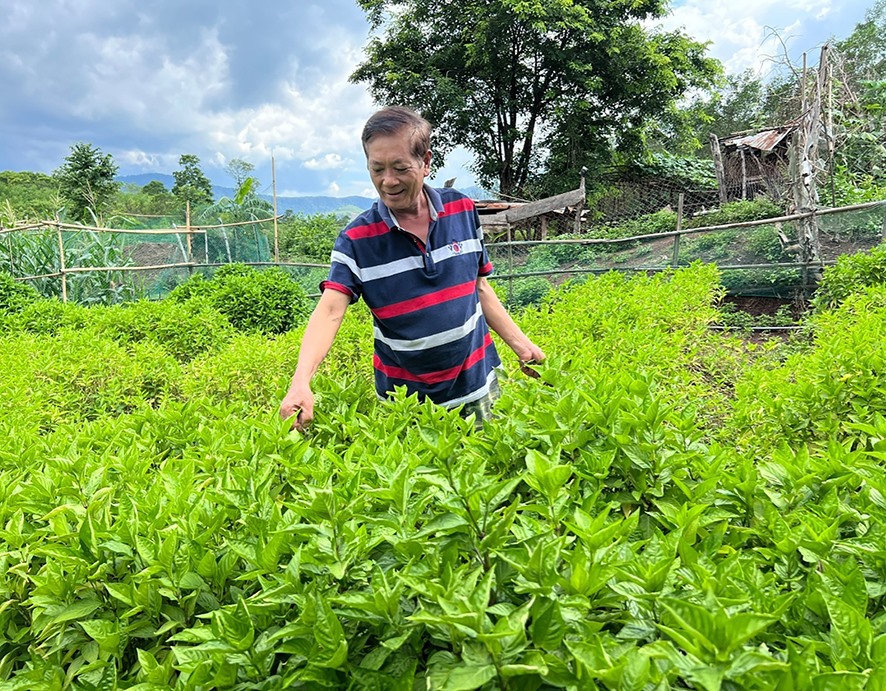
x: 427, y: 161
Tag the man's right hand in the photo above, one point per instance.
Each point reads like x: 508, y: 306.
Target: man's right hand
x: 298, y: 403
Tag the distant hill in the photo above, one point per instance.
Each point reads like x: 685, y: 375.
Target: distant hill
x: 349, y: 206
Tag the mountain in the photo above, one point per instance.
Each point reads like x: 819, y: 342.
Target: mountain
x: 349, y: 206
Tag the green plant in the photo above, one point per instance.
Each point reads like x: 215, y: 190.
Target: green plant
x: 268, y: 301
x: 852, y: 273
x: 14, y: 296
x: 653, y: 512
x: 309, y: 238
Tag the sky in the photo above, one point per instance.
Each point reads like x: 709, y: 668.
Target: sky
x: 147, y: 81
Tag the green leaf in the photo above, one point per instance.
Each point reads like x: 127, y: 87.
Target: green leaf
x: 447, y: 673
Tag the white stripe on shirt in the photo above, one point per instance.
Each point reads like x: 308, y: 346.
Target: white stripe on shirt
x: 373, y: 273
x: 434, y: 340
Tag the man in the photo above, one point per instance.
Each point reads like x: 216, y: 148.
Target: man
x: 417, y: 259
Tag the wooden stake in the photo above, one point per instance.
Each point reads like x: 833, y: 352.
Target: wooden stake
x: 718, y: 168
x: 61, y: 263
x: 675, y: 260
x: 276, y: 230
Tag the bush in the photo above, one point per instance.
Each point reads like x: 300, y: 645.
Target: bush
x: 14, y: 296
x: 310, y: 238
x: 185, y: 330
x: 529, y: 291
x: 268, y: 301
x: 851, y: 274
x: 47, y: 316
x: 740, y: 211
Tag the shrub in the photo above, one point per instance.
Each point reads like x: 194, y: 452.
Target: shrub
x: 739, y: 211
x: 268, y: 301
x: 47, y: 316
x: 529, y: 291
x: 851, y: 274
x: 14, y: 296
x: 310, y: 238
x: 185, y: 330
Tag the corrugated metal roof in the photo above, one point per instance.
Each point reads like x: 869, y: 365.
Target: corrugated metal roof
x: 766, y: 140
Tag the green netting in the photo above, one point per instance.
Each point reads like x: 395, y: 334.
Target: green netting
x: 758, y: 260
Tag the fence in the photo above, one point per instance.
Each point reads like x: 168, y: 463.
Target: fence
x: 106, y: 265
x: 756, y: 258
x: 90, y: 264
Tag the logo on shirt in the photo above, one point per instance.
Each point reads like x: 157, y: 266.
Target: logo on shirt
x: 456, y: 248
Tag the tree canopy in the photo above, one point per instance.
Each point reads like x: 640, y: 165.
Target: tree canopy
x: 86, y: 182
x: 191, y: 184
x: 535, y: 89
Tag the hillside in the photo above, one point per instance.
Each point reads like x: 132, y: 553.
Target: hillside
x: 298, y: 205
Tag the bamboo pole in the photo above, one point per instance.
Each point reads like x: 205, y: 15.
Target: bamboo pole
x: 61, y: 264
x: 718, y: 168
x: 675, y: 260
x: 189, y: 256
x: 131, y: 231
x: 276, y: 229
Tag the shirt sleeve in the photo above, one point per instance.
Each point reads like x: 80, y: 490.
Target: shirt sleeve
x: 344, y: 272
x: 484, y: 264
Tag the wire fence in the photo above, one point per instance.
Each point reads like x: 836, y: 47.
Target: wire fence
x: 89, y: 264
x: 109, y: 265
x: 756, y: 258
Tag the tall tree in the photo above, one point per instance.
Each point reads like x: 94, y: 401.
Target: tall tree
x: 860, y: 71
x: 239, y: 169
x: 86, y: 182
x: 191, y: 184
x: 522, y: 84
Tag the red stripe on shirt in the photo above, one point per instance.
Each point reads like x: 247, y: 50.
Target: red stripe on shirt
x: 368, y: 231
x: 458, y: 206
x: 413, y: 304
x: 332, y: 285
x: 434, y: 377
x: 486, y: 269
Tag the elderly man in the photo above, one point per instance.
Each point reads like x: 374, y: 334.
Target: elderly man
x: 418, y: 260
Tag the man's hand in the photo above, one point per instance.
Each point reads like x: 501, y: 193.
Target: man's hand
x: 529, y: 353
x: 298, y: 403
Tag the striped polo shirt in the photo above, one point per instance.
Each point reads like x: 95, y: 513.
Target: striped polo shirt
x: 430, y: 332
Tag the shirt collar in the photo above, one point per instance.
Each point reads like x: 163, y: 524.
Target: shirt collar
x: 435, y: 207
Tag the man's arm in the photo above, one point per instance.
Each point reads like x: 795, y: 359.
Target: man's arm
x: 316, y: 342
x: 500, y: 321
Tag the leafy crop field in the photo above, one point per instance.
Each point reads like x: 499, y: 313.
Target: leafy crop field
x: 667, y: 508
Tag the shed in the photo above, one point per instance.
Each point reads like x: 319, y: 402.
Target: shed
x: 755, y: 162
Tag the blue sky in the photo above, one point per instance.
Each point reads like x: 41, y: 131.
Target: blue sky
x: 227, y: 79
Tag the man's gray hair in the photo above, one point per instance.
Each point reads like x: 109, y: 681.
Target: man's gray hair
x: 397, y: 120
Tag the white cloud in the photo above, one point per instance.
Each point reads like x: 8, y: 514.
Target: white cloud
x: 326, y: 162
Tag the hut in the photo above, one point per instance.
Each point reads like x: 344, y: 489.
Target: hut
x: 754, y: 162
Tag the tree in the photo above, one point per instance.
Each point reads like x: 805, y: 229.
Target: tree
x: 529, y: 87
x: 191, y: 184
x: 860, y: 71
x: 86, y: 182
x: 239, y: 169
x: 154, y: 187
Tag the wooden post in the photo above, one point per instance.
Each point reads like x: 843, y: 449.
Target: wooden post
x: 188, y: 232
x: 61, y: 260
x: 190, y: 257
x: 580, y: 205
x: 718, y: 168
x: 510, y: 266
x: 276, y: 229
x: 883, y: 232
x: 675, y: 261
x: 744, y: 174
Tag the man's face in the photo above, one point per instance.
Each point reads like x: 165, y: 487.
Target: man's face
x: 396, y: 173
